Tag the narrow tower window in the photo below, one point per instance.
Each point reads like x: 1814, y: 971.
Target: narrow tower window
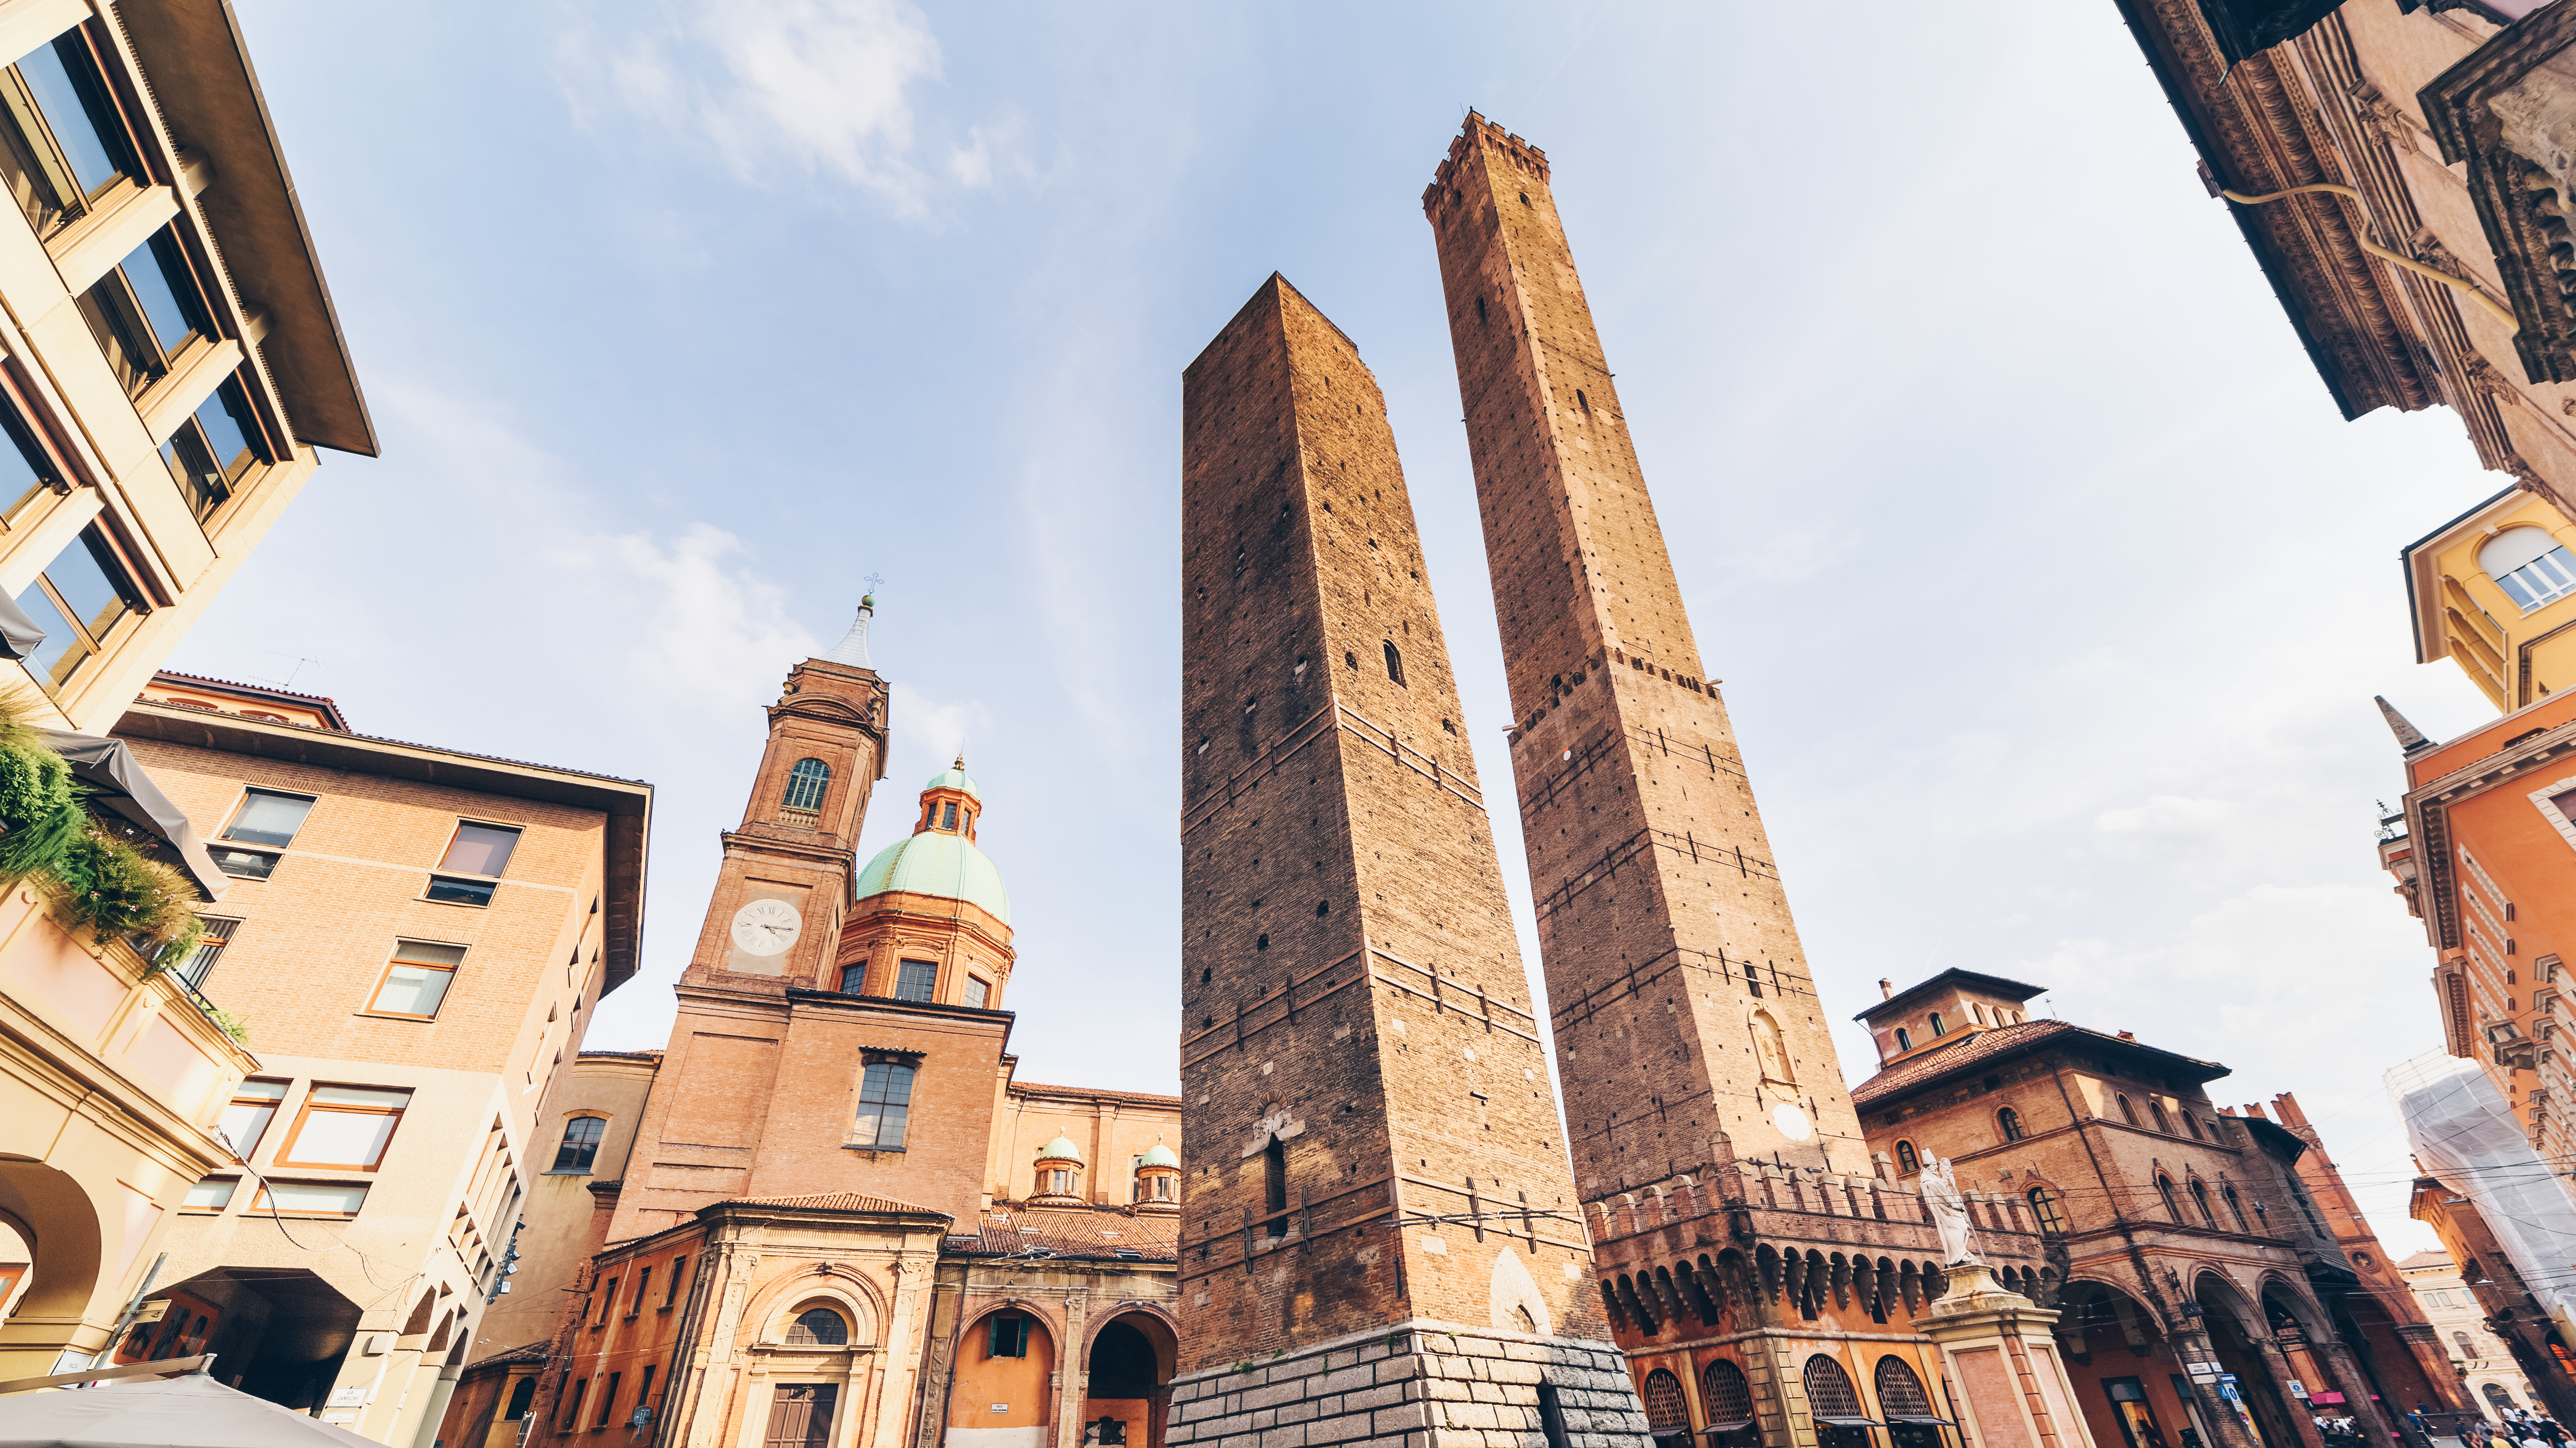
x: 805, y: 785
x: 2043, y: 1208
x: 2010, y: 1121
x: 1394, y: 663
x: 1908, y: 1160
x: 948, y: 815
x: 1939, y: 1026
x: 1904, y: 1039
x: 1274, y: 1186
x: 1583, y: 402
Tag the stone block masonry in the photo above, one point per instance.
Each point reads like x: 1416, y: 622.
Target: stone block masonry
x: 1425, y: 1385
x: 1369, y: 1138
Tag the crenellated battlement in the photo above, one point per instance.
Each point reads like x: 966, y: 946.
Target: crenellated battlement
x: 1479, y: 132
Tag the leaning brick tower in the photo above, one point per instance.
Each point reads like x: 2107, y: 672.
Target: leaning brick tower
x: 1380, y: 1238
x: 1756, y: 1262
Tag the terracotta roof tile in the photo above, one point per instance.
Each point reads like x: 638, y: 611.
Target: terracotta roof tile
x: 534, y: 1352
x: 1070, y: 1234
x: 1147, y: 1098
x: 829, y: 1202
x: 1987, y: 1044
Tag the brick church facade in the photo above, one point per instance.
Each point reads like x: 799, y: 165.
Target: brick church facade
x: 838, y: 1218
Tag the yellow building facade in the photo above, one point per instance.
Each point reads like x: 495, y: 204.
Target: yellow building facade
x: 170, y: 366
x: 2494, y: 591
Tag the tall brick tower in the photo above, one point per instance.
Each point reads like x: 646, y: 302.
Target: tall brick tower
x: 1371, y: 1155
x: 1682, y: 1000
x: 1758, y: 1263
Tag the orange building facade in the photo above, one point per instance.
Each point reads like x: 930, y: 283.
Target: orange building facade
x: 826, y: 1213
x: 2217, y: 1284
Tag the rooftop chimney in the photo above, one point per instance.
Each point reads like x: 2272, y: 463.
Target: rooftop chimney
x: 2128, y: 1035
x: 1886, y: 988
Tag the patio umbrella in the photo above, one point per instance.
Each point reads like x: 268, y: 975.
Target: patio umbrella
x: 187, y: 1412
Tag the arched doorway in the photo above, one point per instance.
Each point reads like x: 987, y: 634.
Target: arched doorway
x: 1128, y: 1382
x: 2128, y: 1379
x: 2233, y: 1324
x: 1004, y: 1368
x: 67, y: 1241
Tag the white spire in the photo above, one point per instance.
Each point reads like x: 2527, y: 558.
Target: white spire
x: 853, y: 647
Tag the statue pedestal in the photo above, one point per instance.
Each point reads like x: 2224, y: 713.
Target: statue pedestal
x: 2006, y: 1381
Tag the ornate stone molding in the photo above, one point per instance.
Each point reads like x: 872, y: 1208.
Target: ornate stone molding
x: 2508, y: 112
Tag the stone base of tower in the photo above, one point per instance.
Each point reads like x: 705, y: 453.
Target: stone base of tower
x: 2007, y: 1383
x: 1422, y: 1384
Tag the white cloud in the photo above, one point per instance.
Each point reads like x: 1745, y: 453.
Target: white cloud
x: 797, y: 86
x: 699, y: 627
x: 990, y: 148
x: 2166, y: 814
x: 934, y: 729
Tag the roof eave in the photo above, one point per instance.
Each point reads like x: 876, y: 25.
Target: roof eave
x: 205, y: 86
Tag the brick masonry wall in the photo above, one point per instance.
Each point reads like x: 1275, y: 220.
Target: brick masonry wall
x: 1685, y: 1015
x: 1422, y: 1388
x: 1351, y: 984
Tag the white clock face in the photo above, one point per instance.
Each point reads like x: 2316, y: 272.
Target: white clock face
x: 767, y: 927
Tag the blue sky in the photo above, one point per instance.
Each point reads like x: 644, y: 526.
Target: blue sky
x: 2048, y: 589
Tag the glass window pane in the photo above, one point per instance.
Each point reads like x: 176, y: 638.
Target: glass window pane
x: 916, y: 980
x: 411, y: 990
x: 341, y: 1138
x: 66, y: 86
x: 460, y: 892
x: 323, y: 1198
x: 91, y: 581
x: 359, y: 1096
x: 247, y: 864
x: 976, y: 991
x: 24, y: 469
x: 267, y: 818
x: 167, y: 292
x: 213, y: 1194
x: 480, y: 849
x: 63, y: 647
x: 421, y: 952
x: 193, y: 469
x: 244, y: 1123
x: 231, y: 431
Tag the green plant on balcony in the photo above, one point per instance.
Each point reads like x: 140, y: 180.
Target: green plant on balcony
x: 109, y: 883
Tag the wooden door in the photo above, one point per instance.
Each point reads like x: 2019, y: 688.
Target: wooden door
x: 800, y: 1415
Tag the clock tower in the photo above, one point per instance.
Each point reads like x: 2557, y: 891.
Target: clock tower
x: 785, y: 884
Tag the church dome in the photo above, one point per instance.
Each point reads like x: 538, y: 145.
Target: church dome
x: 933, y: 863
x: 1159, y: 1155
x: 954, y: 777
x: 1060, y: 1149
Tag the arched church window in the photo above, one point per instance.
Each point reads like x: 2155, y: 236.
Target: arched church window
x: 2009, y: 1121
x: 2043, y: 1208
x: 806, y: 783
x: 1665, y: 1414
x: 885, y: 1101
x: 819, y: 1327
x: 1725, y: 1395
x: 1939, y: 1026
x: 580, y: 1145
x: 1908, y: 1160
x: 2128, y: 1113
x: 2200, y: 1199
x: 2165, y: 1189
x: 1829, y: 1389
x: 1395, y: 664
x: 1904, y: 1039
x: 2235, y: 1208
x: 2157, y: 1109
x: 1900, y: 1392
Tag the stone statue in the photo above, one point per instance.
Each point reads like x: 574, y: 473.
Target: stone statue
x: 1950, y: 1214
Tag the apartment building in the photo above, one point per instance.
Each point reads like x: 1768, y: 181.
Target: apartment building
x: 170, y: 367
x: 2485, y: 1366
x: 415, y: 938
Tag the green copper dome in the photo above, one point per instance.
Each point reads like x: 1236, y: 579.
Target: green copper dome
x: 1060, y: 1149
x: 1158, y: 1155
x: 954, y: 777
x: 933, y: 863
